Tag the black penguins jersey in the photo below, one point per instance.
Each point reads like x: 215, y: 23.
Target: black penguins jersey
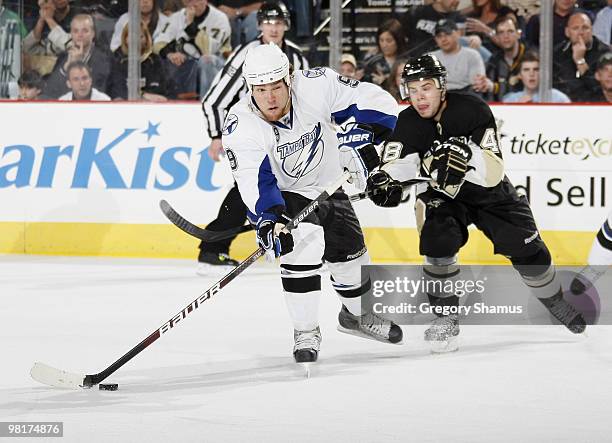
x: 408, y: 151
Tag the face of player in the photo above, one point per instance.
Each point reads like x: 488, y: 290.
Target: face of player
x: 347, y: 69
x: 387, y: 44
x: 82, y: 33
x: 273, y: 31
x: 530, y: 75
x: 79, y: 82
x: 26, y: 93
x: 425, y: 97
x: 579, y: 27
x: 604, y: 77
x: 448, y: 42
x: 507, y: 34
x: 272, y: 99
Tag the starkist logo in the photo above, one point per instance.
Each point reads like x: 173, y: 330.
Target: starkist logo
x: 22, y: 165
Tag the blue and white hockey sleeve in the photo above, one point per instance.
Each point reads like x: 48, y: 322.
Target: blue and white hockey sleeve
x: 256, y: 181
x: 365, y: 102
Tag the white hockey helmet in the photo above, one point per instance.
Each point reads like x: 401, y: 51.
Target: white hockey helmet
x: 265, y: 64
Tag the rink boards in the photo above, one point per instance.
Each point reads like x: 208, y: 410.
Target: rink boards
x: 86, y: 179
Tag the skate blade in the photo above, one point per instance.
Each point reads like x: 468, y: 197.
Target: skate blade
x: 361, y: 334
x: 444, y: 346
x: 307, y: 368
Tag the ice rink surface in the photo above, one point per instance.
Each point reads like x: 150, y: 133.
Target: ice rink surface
x: 226, y: 374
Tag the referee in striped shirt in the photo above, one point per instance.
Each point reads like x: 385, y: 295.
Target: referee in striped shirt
x: 227, y: 88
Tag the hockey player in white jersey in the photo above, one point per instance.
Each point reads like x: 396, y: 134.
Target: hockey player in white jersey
x: 283, y: 149
x: 273, y: 21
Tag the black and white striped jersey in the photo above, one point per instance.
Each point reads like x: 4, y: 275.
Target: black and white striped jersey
x: 228, y: 86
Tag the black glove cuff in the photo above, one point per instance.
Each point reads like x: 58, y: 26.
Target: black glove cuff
x: 370, y: 157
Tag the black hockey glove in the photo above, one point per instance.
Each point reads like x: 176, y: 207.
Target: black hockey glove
x: 384, y: 191
x: 271, y: 237
x: 450, y: 163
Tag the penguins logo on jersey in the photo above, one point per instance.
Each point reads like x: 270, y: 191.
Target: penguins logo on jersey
x: 302, y: 156
x: 231, y: 122
x: 313, y: 73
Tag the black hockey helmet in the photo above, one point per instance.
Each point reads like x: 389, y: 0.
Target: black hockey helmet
x: 421, y: 68
x: 273, y: 10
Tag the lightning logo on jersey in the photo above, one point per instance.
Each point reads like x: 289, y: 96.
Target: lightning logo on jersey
x: 303, y: 155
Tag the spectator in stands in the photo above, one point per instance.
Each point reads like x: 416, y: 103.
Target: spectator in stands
x: 155, y: 86
x: 603, y: 75
x: 242, y: 15
x: 195, y: 46
x: 562, y: 11
x: 150, y: 14
x: 602, y: 27
x: 462, y: 64
x: 524, y: 9
x: 574, y: 61
x: 420, y: 22
x: 30, y: 85
x: 50, y: 35
x: 11, y: 33
x: 81, y: 48
x: 529, y: 73
x: 170, y: 7
x: 391, y: 43
x: 79, y: 81
x: 348, y: 65
x: 482, y: 18
x: 51, y: 32
x: 503, y: 68
x: 395, y: 78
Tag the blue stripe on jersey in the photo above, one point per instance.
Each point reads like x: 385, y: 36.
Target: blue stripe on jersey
x: 365, y: 116
x: 269, y: 194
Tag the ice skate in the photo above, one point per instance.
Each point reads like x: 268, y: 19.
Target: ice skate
x: 369, y: 326
x: 443, y: 333
x: 565, y: 313
x: 306, y: 348
x: 210, y: 263
x: 585, y: 279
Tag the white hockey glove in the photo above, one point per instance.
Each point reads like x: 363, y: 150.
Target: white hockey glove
x: 357, y: 153
x: 271, y: 237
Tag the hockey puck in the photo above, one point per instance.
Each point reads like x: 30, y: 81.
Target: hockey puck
x: 108, y: 386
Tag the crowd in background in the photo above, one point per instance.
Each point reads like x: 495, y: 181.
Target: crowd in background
x: 77, y: 50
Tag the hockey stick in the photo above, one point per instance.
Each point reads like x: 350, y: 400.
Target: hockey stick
x: 48, y: 375
x: 405, y: 184
x: 197, y: 232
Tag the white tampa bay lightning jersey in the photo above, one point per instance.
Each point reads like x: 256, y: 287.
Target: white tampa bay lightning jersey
x: 299, y: 153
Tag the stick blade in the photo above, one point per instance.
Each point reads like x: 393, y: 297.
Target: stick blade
x: 58, y: 378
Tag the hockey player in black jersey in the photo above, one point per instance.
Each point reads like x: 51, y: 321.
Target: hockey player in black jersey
x: 228, y: 87
x: 452, y: 137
